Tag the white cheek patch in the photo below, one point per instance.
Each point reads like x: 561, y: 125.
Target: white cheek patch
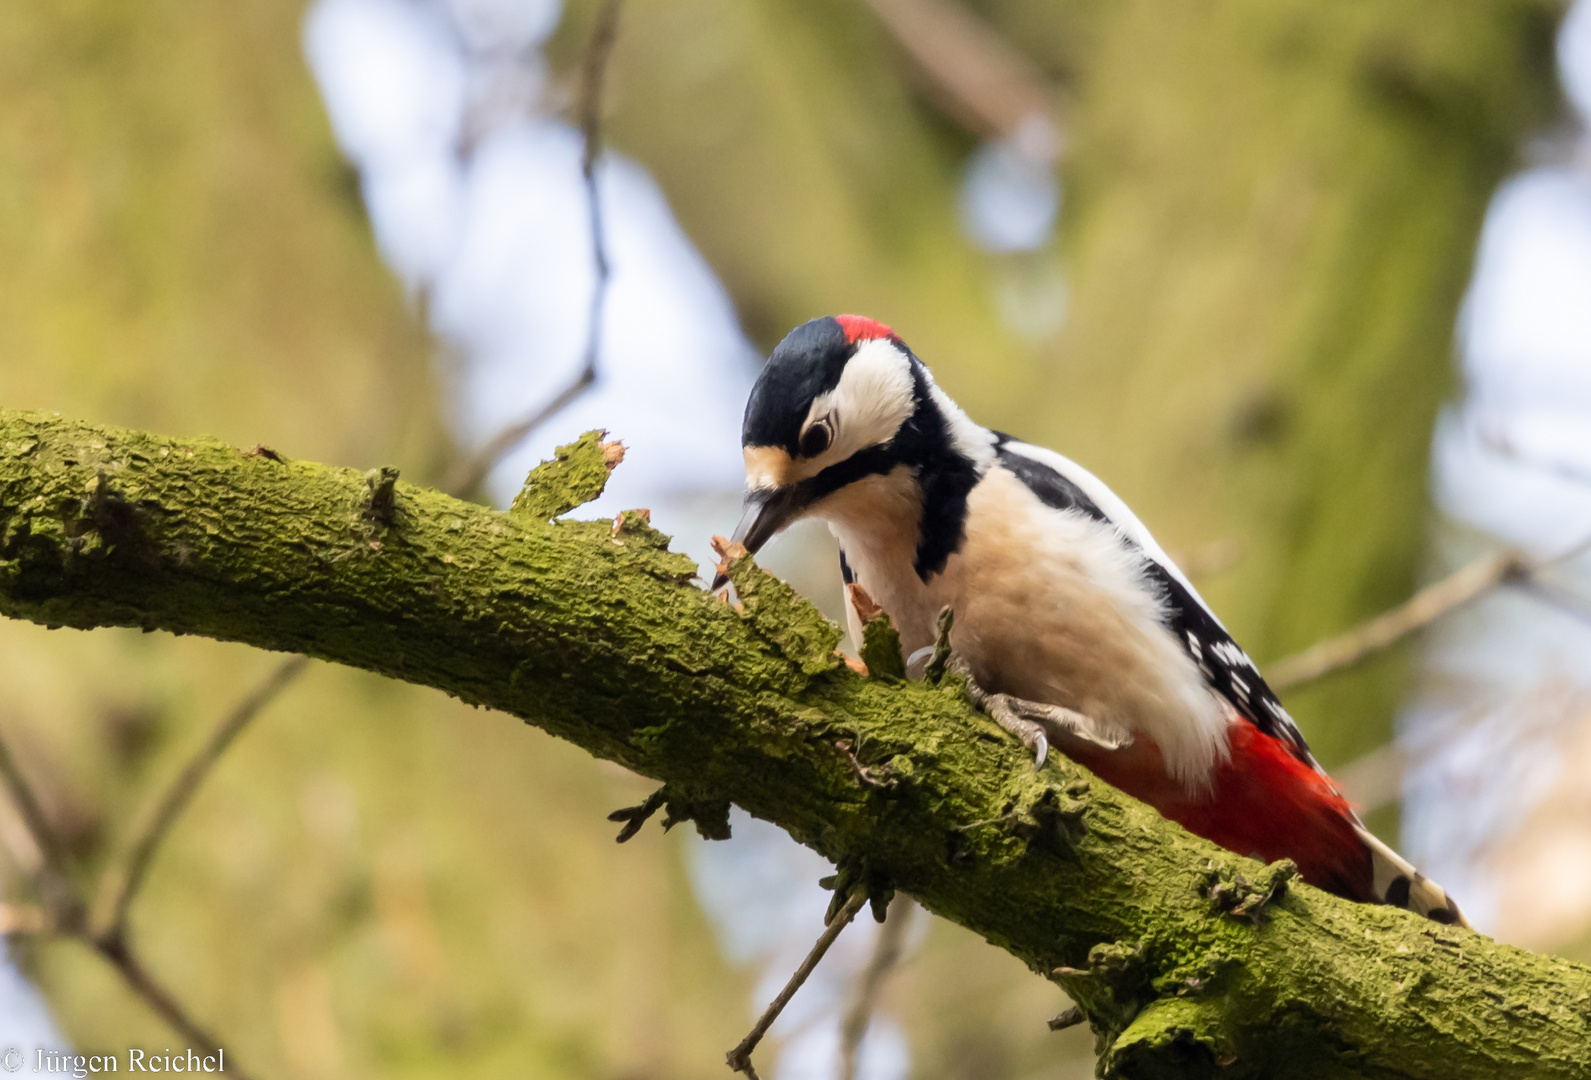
x: 870, y: 403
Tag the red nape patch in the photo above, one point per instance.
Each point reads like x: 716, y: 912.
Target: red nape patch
x: 861, y: 328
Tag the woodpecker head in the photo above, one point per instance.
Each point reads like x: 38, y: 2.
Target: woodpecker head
x: 822, y: 415
x: 841, y: 399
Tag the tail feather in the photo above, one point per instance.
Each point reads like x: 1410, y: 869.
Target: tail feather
x: 1398, y: 883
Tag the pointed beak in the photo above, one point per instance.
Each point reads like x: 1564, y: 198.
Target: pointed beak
x: 764, y: 513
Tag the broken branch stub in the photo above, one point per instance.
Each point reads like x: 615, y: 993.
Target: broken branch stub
x: 381, y: 503
x: 880, y: 648
x: 575, y: 476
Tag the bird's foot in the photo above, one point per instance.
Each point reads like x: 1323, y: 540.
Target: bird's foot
x: 1007, y: 711
x: 1035, y: 723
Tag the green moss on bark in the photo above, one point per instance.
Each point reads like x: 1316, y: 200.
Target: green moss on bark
x: 574, y: 477
x: 596, y: 633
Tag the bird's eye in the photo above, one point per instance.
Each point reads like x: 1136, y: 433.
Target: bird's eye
x: 816, y: 439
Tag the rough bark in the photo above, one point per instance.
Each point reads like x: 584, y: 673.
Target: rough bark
x: 597, y: 633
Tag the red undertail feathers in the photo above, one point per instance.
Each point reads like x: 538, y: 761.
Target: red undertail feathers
x: 1265, y: 802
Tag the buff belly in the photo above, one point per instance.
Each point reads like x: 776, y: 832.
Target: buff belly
x: 1049, y: 606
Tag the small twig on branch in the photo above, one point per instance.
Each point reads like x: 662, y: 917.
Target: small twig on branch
x: 472, y: 470
x: 636, y: 816
x: 182, y: 789
x: 1068, y: 1017
x: 740, y: 1057
x: 887, y: 951
x: 863, y: 774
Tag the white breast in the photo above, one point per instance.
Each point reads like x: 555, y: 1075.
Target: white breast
x: 1050, y: 606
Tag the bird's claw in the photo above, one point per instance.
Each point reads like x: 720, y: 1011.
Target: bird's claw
x: 1005, y: 710
x: 1034, y: 723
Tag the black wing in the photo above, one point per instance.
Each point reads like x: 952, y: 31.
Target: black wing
x: 1226, y: 668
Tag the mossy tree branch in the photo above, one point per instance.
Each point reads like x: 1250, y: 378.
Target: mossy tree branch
x: 596, y: 632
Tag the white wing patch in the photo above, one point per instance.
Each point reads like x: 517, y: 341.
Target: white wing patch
x: 1230, y: 655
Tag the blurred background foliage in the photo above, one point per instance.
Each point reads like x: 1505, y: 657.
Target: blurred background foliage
x: 1271, y: 209
x: 377, y: 881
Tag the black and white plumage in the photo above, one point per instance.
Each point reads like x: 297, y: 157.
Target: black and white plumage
x: 1225, y: 667
x: 1062, y: 599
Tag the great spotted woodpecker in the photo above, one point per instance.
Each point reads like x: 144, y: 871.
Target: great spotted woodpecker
x: 1071, y: 622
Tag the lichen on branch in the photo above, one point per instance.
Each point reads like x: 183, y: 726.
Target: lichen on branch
x: 598, y: 633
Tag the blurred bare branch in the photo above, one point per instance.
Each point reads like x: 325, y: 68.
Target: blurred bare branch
x: 887, y: 951
x: 124, y: 885
x: 468, y: 474
x: 1419, y: 611
x: 23, y: 919
x: 1497, y: 441
x: 63, y: 906
x: 1560, y: 598
x: 138, y: 979
x: 968, y: 68
x: 30, y: 809
x: 593, y: 80
x: 740, y: 1057
x: 62, y: 913
x: 1457, y: 590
